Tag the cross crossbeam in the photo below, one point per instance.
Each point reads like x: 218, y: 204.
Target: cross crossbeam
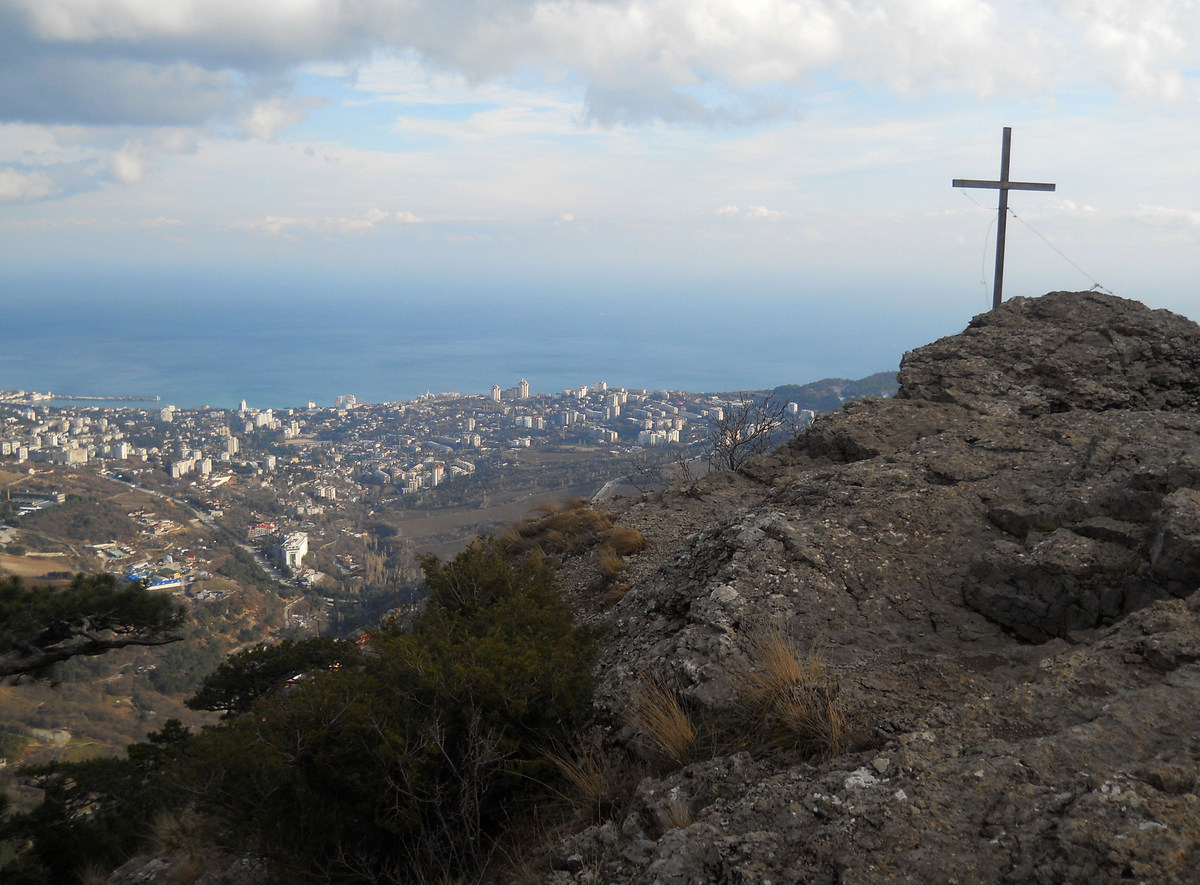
x: 1004, y: 185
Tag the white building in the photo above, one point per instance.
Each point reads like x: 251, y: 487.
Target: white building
x: 523, y: 389
x: 293, y: 549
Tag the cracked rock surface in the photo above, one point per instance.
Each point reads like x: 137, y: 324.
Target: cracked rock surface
x: 999, y: 569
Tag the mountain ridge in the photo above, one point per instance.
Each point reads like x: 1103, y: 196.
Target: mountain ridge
x: 997, y: 568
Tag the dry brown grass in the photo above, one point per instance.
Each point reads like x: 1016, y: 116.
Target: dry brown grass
x: 816, y: 718
x: 611, y: 563
x: 626, y: 541
x: 679, y: 815
x: 776, y: 665
x: 595, y: 784
x: 657, y: 713
x: 795, y: 696
x: 93, y: 875
x: 179, y: 834
x: 555, y: 529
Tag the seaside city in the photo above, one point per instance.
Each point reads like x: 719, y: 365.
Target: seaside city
x: 275, y: 477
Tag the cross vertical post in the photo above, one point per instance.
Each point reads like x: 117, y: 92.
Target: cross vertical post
x: 1004, y: 185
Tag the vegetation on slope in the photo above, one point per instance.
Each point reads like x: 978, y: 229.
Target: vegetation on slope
x: 410, y: 759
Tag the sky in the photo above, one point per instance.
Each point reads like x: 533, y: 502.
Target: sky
x: 715, y: 154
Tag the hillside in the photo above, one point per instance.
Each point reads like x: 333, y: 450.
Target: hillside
x: 950, y: 635
x: 829, y: 394
x: 978, y: 601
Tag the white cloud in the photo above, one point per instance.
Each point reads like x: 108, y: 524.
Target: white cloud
x: 763, y: 213
x: 751, y: 213
x: 160, y: 222
x: 268, y: 118
x: 1168, y: 216
x: 17, y: 186
x: 715, y: 61
x: 368, y: 222
x: 128, y: 165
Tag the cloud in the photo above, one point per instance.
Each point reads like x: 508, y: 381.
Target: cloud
x: 763, y: 213
x: 751, y: 213
x: 108, y: 224
x: 367, y: 222
x: 712, y: 62
x: 268, y: 118
x: 61, y: 89
x: 128, y: 165
x: 17, y: 186
x: 160, y: 222
x: 1168, y: 217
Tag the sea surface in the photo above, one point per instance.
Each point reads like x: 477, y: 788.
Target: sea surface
x: 275, y: 352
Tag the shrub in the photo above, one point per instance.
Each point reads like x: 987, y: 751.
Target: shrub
x: 411, y: 763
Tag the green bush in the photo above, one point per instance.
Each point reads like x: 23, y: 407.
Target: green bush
x: 405, y: 761
x: 411, y: 762
x: 93, y: 813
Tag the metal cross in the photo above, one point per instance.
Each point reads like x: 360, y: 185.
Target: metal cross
x: 1004, y: 186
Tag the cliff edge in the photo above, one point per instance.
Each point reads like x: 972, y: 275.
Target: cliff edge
x: 994, y: 572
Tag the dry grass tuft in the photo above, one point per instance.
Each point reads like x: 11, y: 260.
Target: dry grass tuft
x: 816, y: 718
x: 777, y: 666
x: 657, y: 713
x: 794, y: 696
x: 555, y: 529
x: 611, y: 563
x: 93, y: 875
x: 595, y: 784
x: 626, y: 541
x: 614, y: 594
x: 679, y: 815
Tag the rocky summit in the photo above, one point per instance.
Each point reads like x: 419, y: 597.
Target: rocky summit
x: 989, y: 577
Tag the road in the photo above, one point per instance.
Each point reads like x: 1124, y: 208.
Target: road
x: 265, y: 564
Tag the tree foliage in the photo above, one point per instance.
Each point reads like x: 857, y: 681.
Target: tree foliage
x: 407, y: 760
x: 42, y: 626
x: 93, y: 813
x: 256, y: 673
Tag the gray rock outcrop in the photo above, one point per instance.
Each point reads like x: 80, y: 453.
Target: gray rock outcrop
x: 998, y: 567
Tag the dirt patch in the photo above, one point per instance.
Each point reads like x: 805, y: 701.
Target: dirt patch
x: 35, y: 566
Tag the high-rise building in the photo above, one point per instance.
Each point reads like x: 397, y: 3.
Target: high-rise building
x: 523, y: 389
x: 293, y: 549
x: 495, y: 393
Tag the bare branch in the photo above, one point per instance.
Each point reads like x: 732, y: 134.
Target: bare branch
x: 745, y: 428
x: 29, y: 659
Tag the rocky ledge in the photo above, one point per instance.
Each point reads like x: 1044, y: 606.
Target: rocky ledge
x: 996, y: 571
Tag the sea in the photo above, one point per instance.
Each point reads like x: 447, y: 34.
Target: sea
x: 218, y: 348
